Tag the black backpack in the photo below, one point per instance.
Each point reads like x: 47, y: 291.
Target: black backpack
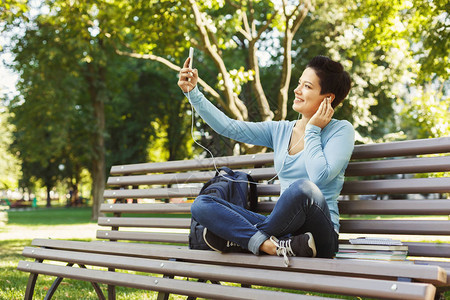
x: 242, y: 193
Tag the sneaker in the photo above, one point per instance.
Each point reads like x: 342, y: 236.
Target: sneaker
x: 219, y: 244
x: 299, y: 245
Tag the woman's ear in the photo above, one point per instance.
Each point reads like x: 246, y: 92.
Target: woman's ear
x: 330, y: 97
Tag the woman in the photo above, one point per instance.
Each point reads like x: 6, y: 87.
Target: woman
x: 310, y: 156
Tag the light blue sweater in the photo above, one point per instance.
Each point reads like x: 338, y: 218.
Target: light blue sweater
x: 323, y: 160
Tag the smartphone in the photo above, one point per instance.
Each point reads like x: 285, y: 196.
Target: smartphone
x: 191, y: 56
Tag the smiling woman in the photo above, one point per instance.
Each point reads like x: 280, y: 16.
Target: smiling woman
x: 311, y: 155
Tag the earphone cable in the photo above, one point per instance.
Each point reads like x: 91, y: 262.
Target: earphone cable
x: 214, y: 159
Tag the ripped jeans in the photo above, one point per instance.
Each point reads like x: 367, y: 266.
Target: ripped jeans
x: 301, y: 208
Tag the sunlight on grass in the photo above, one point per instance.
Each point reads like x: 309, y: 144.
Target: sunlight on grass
x: 51, y: 216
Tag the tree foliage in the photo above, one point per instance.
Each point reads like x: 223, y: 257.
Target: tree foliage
x: 425, y: 116
x: 83, y: 107
x: 9, y: 163
x: 377, y: 41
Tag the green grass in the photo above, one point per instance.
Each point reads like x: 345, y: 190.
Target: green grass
x: 51, y: 216
x: 14, y: 282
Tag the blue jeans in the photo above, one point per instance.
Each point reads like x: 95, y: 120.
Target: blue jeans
x: 301, y: 208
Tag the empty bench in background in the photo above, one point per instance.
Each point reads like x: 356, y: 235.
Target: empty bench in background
x: 386, y: 169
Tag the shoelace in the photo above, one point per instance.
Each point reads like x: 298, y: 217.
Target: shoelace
x: 232, y: 244
x: 283, y: 248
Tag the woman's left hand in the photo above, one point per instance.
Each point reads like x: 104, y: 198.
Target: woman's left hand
x: 323, y: 114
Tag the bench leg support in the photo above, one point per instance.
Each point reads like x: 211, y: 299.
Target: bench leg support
x: 111, y: 288
x: 202, y: 280
x: 58, y: 281
x: 161, y: 295
x: 31, y: 283
x: 439, y: 295
x: 55, y: 285
x: 97, y: 289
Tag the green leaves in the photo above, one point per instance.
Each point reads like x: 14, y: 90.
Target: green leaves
x: 425, y: 116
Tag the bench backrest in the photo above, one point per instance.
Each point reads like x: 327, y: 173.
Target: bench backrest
x: 395, y: 189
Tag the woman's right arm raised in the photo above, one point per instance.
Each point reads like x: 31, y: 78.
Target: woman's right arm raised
x: 246, y: 132
x: 188, y: 77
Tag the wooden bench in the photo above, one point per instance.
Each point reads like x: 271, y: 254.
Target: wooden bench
x: 135, y: 234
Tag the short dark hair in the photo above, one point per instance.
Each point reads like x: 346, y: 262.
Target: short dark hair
x: 333, y: 78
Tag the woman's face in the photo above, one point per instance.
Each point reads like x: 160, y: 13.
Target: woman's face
x: 307, y: 94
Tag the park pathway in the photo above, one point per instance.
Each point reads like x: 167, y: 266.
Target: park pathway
x: 16, y: 232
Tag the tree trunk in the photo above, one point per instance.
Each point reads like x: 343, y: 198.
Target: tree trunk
x: 285, y: 77
x: 49, y: 200
x: 97, y: 91
x: 98, y: 168
x: 263, y: 104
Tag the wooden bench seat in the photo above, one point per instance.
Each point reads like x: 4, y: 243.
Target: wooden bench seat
x: 131, y: 232
x: 239, y: 269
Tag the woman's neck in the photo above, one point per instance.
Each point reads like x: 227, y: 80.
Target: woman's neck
x: 302, y: 122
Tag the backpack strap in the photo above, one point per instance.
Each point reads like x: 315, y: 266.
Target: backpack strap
x: 226, y: 170
x: 253, y: 197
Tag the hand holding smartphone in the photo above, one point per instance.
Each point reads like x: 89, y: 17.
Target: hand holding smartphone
x: 188, y: 77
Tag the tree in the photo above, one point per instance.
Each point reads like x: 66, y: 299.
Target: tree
x: 9, y: 164
x: 74, y: 82
x: 61, y: 67
x: 425, y: 116
x: 41, y: 129
x: 429, y: 29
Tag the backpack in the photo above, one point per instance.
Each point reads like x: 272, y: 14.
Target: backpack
x: 242, y: 193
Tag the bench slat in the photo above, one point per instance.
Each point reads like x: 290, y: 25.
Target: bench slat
x: 396, y: 207
x: 183, y: 287
x: 399, y: 166
x: 145, y: 208
x: 444, y: 265
x: 432, y: 274
x: 180, y: 178
x: 428, y: 249
x: 397, y: 186
x: 177, y: 192
x: 152, y: 193
x: 195, y: 164
x: 402, y: 148
x: 279, y: 279
x: 412, y: 227
x: 179, y: 238
x: 370, y: 207
x: 145, y: 222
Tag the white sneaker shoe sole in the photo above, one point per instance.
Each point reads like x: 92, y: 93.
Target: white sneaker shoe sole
x: 312, y: 244
x: 206, y: 241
